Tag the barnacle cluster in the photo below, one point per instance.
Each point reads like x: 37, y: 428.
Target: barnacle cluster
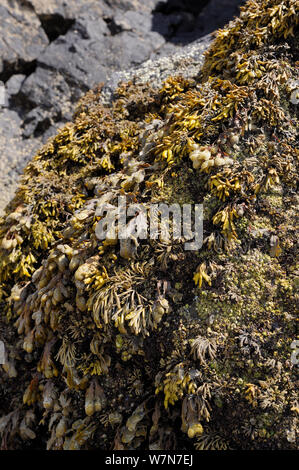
x: 134, y: 342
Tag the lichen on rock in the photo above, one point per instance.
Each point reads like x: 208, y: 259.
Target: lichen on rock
x: 144, y: 345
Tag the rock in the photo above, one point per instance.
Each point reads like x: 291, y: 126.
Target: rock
x: 77, y: 59
x: 46, y: 88
x: 194, y: 20
x: 208, y: 19
x: 13, y: 85
x: 83, y: 57
x: 69, y: 9
x: 22, y: 38
x: 137, y: 5
x: 36, y: 122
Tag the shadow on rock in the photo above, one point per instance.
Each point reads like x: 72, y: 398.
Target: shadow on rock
x: 184, y: 21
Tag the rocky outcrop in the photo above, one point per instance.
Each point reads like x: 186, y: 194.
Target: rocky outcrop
x: 119, y: 338
x: 22, y: 38
x: 52, y: 52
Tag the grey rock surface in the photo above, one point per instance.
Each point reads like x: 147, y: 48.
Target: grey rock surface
x: 53, y: 51
x: 14, y: 83
x: 187, y: 62
x: 14, y: 151
x: 22, y: 38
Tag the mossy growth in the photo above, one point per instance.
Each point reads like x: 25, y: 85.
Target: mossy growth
x: 144, y: 345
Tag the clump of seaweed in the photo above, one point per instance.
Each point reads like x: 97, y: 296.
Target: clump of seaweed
x: 137, y: 343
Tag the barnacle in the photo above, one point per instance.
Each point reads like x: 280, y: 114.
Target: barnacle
x: 130, y: 343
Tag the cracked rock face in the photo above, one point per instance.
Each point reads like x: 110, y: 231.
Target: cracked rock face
x: 22, y: 38
x: 52, y: 52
